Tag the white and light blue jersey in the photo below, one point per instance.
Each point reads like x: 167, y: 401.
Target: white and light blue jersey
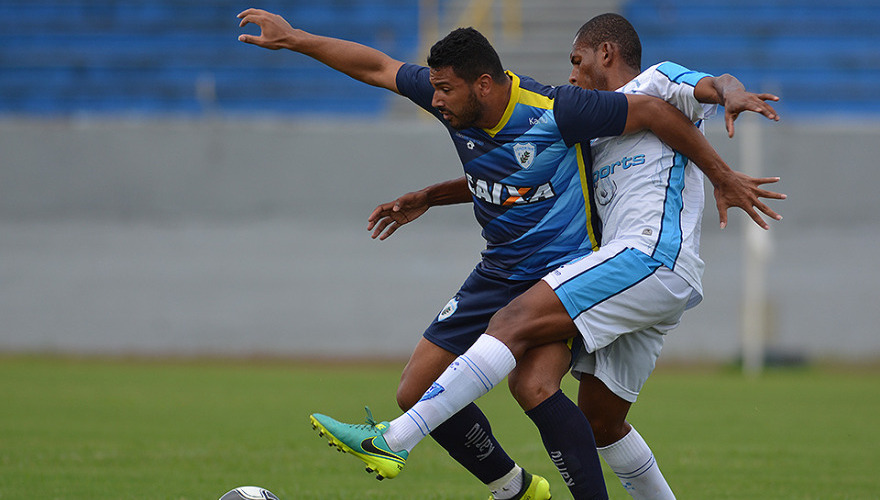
x: 648, y: 195
x: 527, y: 174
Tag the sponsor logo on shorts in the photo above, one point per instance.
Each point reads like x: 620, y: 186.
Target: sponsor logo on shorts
x: 449, y: 309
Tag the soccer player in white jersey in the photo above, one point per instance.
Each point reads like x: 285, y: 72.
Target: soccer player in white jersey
x: 626, y: 296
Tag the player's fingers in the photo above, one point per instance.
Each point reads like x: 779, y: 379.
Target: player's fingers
x: 247, y: 12
x: 765, y: 193
x: 767, y: 110
x: 766, y: 180
x: 757, y: 218
x: 768, y: 97
x: 769, y: 212
x: 380, y: 226
x: 254, y: 40
x: 728, y: 122
x: 391, y: 229
x: 380, y: 211
x: 374, y: 216
x: 722, y: 216
x: 247, y: 17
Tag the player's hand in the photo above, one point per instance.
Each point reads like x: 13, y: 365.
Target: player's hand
x: 743, y: 191
x: 388, y: 217
x: 737, y: 102
x: 275, y: 31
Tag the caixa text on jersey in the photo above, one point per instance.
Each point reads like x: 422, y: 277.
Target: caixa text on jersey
x: 503, y: 194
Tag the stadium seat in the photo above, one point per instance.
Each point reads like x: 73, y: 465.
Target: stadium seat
x: 818, y: 56
x: 62, y: 57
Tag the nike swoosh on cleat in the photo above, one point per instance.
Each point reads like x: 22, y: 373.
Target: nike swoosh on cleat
x: 368, y: 446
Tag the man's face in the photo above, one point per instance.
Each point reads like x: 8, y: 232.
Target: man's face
x: 586, y: 69
x: 455, y: 99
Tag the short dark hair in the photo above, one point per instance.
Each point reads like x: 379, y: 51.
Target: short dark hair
x: 616, y: 29
x: 468, y: 53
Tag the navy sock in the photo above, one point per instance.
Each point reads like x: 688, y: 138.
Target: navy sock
x: 569, y: 440
x: 468, y: 438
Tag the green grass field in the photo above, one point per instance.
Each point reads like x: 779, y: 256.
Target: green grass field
x: 113, y: 429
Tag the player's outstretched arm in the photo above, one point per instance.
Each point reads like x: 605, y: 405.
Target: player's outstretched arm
x: 732, y: 189
x: 729, y: 92
x: 355, y: 60
x: 388, y: 217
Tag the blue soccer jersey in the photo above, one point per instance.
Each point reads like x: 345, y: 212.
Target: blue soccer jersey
x: 529, y: 174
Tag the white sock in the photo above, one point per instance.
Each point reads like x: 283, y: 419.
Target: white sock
x: 633, y: 462
x: 507, y: 485
x: 470, y: 376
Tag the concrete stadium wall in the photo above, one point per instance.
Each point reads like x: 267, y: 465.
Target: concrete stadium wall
x: 247, y: 237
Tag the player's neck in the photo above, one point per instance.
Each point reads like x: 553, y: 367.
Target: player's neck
x: 496, y: 104
x: 621, y: 76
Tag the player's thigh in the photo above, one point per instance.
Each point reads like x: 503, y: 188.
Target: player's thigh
x: 618, y: 290
x: 535, y: 318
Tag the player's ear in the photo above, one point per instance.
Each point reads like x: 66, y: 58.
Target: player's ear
x: 607, y: 52
x: 484, y: 84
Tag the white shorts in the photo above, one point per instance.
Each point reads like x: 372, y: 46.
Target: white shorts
x: 623, y: 302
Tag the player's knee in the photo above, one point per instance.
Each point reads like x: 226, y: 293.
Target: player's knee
x: 507, y: 326
x: 531, y: 389
x: 607, y: 429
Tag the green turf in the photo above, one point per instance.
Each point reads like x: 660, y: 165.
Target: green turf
x: 99, y: 429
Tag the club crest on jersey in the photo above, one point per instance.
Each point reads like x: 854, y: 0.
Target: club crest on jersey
x: 449, y: 309
x: 525, y: 153
x: 605, y: 191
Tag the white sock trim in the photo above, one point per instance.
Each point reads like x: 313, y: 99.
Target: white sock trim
x: 504, y: 485
x: 503, y: 480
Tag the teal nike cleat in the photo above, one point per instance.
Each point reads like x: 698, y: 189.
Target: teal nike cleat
x: 364, y: 441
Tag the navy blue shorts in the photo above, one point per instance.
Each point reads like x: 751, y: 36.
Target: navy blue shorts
x: 466, y: 316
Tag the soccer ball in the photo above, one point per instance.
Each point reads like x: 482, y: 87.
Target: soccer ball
x: 249, y: 493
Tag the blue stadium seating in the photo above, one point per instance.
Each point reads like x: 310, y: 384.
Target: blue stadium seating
x: 818, y: 56
x: 62, y: 57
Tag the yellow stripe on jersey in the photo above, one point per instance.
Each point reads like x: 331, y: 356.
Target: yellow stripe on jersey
x: 535, y: 99
x: 519, y: 95
x: 511, y: 104
x: 586, y: 190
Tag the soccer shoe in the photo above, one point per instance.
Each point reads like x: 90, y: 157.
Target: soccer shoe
x: 363, y: 441
x: 533, y: 488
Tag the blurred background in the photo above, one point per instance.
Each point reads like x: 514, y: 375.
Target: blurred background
x: 166, y: 190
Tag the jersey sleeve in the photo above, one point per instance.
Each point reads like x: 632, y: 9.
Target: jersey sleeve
x: 413, y: 82
x: 582, y: 115
x: 675, y: 84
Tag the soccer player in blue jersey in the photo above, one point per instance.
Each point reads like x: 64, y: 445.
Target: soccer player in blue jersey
x: 630, y: 194
x: 522, y: 145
